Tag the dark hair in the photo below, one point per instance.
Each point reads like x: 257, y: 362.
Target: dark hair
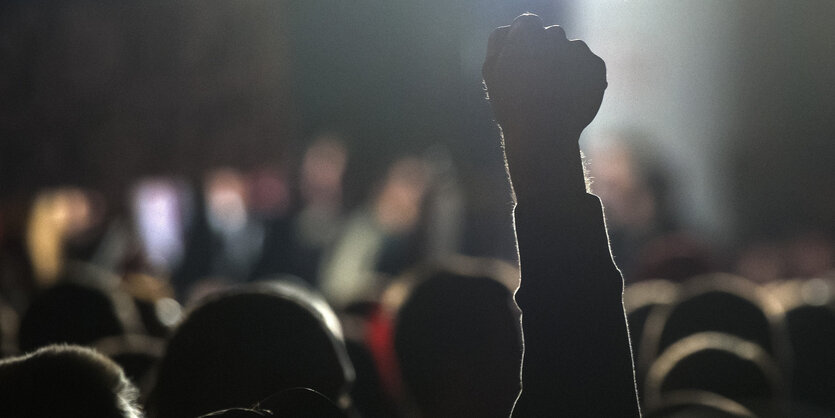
x: 66, y: 381
x: 458, y: 345
x: 82, y: 307
x: 241, y: 346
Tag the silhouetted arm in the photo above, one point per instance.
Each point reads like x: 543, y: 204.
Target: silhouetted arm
x: 577, y: 362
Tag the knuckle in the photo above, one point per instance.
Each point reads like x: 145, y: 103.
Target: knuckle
x: 498, y: 33
x: 528, y: 19
x: 579, y: 46
x: 557, y: 32
x: 497, y: 39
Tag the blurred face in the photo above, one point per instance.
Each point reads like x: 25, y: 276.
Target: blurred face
x: 226, y: 197
x: 616, y: 179
x: 322, y: 169
x: 398, y: 205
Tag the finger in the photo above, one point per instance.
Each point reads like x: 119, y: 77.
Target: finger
x: 526, y: 46
x: 526, y: 32
x: 580, y: 47
x: 557, y: 39
x: 495, y: 44
x: 558, y: 44
x: 557, y: 33
x: 528, y: 20
x: 586, y: 61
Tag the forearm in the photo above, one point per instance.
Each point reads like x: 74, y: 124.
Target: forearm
x: 577, y: 355
x: 545, y: 90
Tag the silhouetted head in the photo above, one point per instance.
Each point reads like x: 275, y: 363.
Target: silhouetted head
x: 719, y: 303
x: 812, y: 330
x: 76, y: 310
x: 138, y: 355
x: 718, y: 363
x: 458, y: 345
x: 239, y: 347
x: 65, y: 381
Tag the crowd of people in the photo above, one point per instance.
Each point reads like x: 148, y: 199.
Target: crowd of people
x: 223, y: 299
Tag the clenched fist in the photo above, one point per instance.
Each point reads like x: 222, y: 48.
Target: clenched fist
x: 539, y: 81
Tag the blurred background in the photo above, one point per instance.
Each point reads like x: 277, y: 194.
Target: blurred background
x: 183, y: 147
x: 161, y: 115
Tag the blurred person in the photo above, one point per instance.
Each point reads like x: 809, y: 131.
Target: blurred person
x: 377, y: 241
x: 240, y: 237
x: 65, y: 381
x: 308, y: 225
x: 17, y: 273
x: 370, y: 398
x: 63, y: 224
x: 672, y: 256
x: 199, y: 244
x: 443, y: 218
x: 762, y: 262
x: 269, y: 192
x: 222, y: 240
x: 161, y: 210
x: 799, y: 255
x: 272, y: 204
x: 457, y: 341
x: 811, y: 254
x: 631, y: 184
x: 319, y: 220
x: 544, y: 91
x: 83, y: 306
x: 240, y: 346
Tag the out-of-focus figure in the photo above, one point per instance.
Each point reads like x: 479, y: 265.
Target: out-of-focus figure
x: 376, y: 238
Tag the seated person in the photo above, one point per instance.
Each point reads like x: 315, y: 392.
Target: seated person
x: 65, y: 381
x: 241, y: 346
x: 457, y: 342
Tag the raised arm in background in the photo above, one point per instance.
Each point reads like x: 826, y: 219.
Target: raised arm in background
x: 544, y: 91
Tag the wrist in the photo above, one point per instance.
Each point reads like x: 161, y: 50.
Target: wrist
x: 544, y: 165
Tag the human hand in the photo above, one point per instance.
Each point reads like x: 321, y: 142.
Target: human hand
x: 540, y: 82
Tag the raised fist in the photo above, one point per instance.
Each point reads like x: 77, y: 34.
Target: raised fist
x: 539, y: 80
